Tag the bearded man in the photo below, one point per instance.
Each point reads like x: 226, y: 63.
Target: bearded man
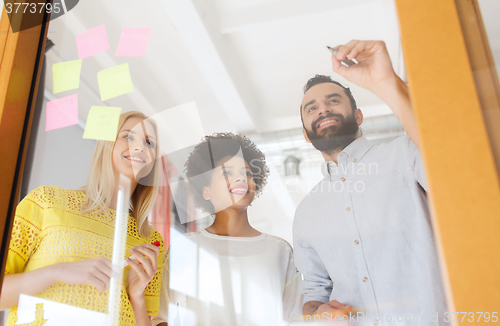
x: 363, y: 237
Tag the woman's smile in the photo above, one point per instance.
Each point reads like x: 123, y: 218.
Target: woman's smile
x: 136, y: 158
x: 239, y: 190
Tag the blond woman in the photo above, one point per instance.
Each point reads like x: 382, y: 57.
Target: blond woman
x: 62, y: 240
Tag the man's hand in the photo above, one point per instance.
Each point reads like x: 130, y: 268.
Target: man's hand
x: 334, y: 307
x: 331, y: 307
x: 374, y: 69
x: 374, y: 72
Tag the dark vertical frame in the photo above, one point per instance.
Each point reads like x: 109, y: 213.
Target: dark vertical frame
x: 21, y: 56
x: 483, y: 67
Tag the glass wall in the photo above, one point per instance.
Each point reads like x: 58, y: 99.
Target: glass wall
x: 255, y: 178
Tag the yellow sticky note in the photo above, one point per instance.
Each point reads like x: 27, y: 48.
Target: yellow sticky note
x: 102, y: 123
x: 114, y: 81
x: 66, y: 75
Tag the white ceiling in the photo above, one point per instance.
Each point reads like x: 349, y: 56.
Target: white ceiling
x: 247, y: 62
x: 244, y: 62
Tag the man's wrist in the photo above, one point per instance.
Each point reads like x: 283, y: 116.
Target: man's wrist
x: 395, y: 94
x: 311, y: 307
x: 387, y: 88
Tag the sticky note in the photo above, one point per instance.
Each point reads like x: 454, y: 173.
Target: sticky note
x: 102, y: 123
x: 133, y: 42
x: 114, y: 81
x: 62, y: 112
x: 91, y: 42
x: 66, y: 75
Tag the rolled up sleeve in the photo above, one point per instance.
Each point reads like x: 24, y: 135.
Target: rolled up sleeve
x: 316, y: 283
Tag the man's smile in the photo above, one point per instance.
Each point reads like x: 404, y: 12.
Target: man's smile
x: 327, y: 122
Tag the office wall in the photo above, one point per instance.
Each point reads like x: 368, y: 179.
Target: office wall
x: 62, y: 157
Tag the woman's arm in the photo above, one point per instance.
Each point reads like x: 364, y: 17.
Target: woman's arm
x: 161, y: 319
x: 142, y: 270
x: 30, y: 283
x: 95, y: 271
x: 140, y: 311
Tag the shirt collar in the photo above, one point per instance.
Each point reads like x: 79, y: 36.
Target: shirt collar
x: 354, y: 152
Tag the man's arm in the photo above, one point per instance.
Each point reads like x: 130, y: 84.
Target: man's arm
x: 317, y: 284
x: 374, y: 72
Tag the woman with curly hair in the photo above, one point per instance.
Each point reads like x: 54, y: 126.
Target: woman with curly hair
x: 229, y: 273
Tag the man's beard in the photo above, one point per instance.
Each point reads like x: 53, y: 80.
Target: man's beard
x: 334, y: 138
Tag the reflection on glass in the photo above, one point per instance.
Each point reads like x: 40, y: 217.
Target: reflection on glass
x: 119, y: 243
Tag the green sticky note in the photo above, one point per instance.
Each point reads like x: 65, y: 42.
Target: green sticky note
x: 66, y: 75
x: 114, y: 81
x: 102, y: 123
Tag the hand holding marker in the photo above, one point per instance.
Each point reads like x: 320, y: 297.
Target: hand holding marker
x: 124, y: 263
x: 346, y: 61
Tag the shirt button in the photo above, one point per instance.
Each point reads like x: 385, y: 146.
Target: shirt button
x: 331, y: 163
x: 375, y: 322
x: 365, y: 279
x: 354, y: 159
x: 356, y: 242
x: 343, y: 179
x: 327, y: 178
x: 348, y: 209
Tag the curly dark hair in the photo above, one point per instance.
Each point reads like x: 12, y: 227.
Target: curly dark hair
x: 210, y: 151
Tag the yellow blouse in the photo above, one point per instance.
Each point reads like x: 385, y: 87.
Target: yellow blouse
x: 48, y: 228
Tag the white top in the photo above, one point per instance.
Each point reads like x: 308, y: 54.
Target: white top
x: 218, y: 280
x: 363, y: 236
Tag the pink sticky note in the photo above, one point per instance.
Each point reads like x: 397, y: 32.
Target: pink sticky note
x: 93, y: 41
x: 133, y: 42
x: 62, y: 112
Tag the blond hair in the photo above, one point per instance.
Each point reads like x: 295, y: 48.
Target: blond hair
x: 101, y: 184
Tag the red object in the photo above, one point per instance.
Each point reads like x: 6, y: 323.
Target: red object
x: 156, y: 243
x: 160, y: 214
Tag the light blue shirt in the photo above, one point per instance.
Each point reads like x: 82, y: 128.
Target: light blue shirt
x: 363, y: 236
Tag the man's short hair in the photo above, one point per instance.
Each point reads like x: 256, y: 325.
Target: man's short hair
x: 320, y: 79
